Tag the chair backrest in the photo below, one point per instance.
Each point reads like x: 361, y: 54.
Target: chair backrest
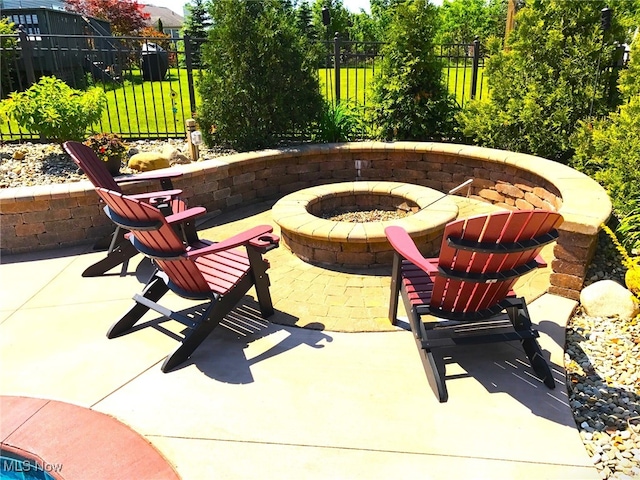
x: 155, y: 238
x: 482, y: 257
x: 91, y: 165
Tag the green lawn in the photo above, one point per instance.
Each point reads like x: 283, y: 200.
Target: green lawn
x: 354, y: 83
x: 136, y: 108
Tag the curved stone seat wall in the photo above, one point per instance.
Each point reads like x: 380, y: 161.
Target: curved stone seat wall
x: 45, y: 217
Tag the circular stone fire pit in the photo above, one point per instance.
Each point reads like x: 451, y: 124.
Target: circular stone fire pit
x: 350, y: 244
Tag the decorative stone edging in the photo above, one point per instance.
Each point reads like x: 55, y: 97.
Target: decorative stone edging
x: 52, y: 216
x: 347, y: 244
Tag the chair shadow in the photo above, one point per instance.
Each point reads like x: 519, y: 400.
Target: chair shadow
x: 504, y: 368
x: 222, y: 356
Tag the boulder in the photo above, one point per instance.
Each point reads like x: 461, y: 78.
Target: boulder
x: 174, y: 155
x: 147, y: 161
x: 607, y: 298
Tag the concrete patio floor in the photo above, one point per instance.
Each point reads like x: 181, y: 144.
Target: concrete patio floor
x: 268, y: 399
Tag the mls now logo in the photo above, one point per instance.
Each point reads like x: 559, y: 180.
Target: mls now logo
x: 28, y: 466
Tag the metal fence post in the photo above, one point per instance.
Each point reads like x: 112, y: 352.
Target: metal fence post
x: 189, y: 65
x: 27, y: 56
x: 474, y: 68
x: 336, y: 64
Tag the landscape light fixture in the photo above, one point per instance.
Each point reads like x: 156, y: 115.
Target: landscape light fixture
x: 605, y: 18
x: 326, y: 16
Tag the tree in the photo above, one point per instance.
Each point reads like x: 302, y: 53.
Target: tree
x: 7, y: 57
x: 411, y: 100
x: 608, y: 149
x: 197, y: 21
x: 260, y: 83
x: 304, y: 20
x: 364, y: 28
x: 462, y: 20
x: 546, y: 81
x: 196, y: 25
x: 125, y: 16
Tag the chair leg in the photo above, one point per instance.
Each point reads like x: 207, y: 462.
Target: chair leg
x: 154, y: 290
x: 396, y: 281
x: 261, y: 282
x: 119, y: 255
x: 435, y: 371
x: 432, y: 363
x: 212, y: 317
x: 519, y: 316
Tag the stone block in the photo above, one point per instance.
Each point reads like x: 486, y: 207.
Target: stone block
x: 491, y: 195
x: 509, y: 190
x: 570, y: 282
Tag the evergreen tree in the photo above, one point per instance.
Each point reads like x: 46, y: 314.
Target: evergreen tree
x: 260, y: 83
x: 411, y: 100
x: 197, y: 21
x: 304, y: 20
x: 195, y: 26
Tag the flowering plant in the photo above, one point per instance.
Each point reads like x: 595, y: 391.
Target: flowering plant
x: 106, y: 146
x: 631, y: 263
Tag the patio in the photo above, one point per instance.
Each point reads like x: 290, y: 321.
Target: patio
x: 265, y: 399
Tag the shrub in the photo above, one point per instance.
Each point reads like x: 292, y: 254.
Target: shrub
x: 411, y: 100
x: 608, y: 149
x: 54, y: 110
x: 545, y: 81
x: 8, y: 56
x: 339, y: 123
x: 260, y: 84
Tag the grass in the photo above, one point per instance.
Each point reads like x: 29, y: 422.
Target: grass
x: 137, y: 108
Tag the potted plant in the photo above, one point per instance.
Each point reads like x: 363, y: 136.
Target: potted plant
x: 110, y: 149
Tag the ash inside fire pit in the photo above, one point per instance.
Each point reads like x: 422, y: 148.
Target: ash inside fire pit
x: 358, y: 215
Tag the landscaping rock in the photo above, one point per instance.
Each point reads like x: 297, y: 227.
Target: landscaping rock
x: 174, y: 155
x: 147, y: 161
x: 608, y: 298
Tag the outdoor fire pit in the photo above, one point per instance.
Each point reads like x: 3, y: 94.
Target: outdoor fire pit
x: 354, y: 243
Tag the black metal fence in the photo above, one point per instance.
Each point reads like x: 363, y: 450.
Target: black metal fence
x: 151, y: 83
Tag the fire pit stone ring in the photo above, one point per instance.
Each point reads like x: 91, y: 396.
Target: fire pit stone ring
x: 328, y: 242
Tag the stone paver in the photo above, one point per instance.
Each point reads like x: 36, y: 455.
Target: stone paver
x: 363, y: 304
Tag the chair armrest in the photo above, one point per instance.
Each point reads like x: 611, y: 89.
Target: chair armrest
x: 186, y: 215
x: 164, y: 177
x: 153, y: 175
x: 406, y: 247
x: 151, y: 196
x: 542, y: 263
x: 259, y: 236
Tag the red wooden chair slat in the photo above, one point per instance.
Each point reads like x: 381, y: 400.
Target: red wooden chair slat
x: 470, y: 284
x: 221, y: 273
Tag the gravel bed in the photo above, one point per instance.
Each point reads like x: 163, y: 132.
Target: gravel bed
x: 602, y: 360
x: 46, y: 163
x: 602, y: 355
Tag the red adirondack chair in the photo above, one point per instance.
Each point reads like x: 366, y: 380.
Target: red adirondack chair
x: 119, y: 250
x: 465, y: 295
x: 220, y: 272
